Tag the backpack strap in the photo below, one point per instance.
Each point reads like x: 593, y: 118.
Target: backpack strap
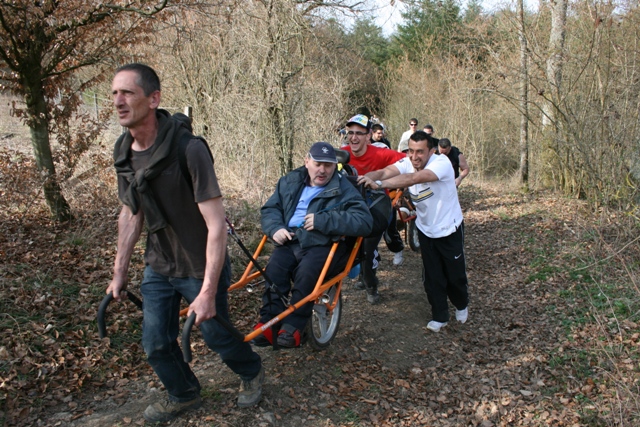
x: 182, y: 155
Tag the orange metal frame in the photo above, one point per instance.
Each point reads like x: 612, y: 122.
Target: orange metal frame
x: 251, y: 274
x: 396, y: 202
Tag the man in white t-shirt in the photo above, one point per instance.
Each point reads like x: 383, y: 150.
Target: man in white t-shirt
x: 433, y: 191
x: 404, y: 139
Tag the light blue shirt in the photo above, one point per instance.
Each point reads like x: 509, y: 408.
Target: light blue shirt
x: 303, y: 204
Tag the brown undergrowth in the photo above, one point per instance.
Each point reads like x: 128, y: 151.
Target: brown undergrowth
x: 552, y: 337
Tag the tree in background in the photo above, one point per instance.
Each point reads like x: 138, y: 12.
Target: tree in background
x: 524, y: 97
x: 473, y: 11
x: 265, y: 92
x: 284, y: 63
x: 43, y: 45
x: 367, y: 39
x: 551, y: 116
x: 429, y: 25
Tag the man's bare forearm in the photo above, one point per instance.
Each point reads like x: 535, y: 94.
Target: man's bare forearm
x: 391, y: 179
x: 129, y: 230
x: 216, y: 254
x: 212, y: 211
x: 464, y: 167
x: 386, y: 173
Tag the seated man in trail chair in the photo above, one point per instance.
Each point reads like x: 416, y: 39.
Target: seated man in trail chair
x: 311, y: 208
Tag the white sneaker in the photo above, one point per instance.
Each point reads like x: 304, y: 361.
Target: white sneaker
x: 462, y: 315
x: 436, y: 326
x: 398, y: 258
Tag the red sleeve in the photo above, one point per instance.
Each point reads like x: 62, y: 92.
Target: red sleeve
x: 374, y: 159
x: 383, y: 157
x: 395, y: 156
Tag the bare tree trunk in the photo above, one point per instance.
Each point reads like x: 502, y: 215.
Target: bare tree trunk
x: 277, y: 116
x: 555, y: 59
x: 524, y: 100
x: 282, y: 63
x: 38, y: 125
x: 551, y: 116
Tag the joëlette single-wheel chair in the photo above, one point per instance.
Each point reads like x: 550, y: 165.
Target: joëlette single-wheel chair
x: 326, y: 295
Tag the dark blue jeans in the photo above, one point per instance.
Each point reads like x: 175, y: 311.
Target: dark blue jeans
x: 160, y: 328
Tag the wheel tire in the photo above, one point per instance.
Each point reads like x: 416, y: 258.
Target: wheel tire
x: 323, y: 325
x: 414, y: 242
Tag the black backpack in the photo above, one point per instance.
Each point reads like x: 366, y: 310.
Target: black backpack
x: 182, y: 146
x: 381, y: 209
x: 378, y: 201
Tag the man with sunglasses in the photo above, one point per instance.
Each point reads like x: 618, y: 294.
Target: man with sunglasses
x: 366, y: 158
x: 403, y: 146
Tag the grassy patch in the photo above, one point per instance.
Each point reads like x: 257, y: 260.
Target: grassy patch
x: 590, y: 418
x: 348, y: 415
x: 613, y: 299
x: 599, y: 309
x: 541, y: 266
x: 542, y: 274
x: 212, y: 394
x: 502, y: 214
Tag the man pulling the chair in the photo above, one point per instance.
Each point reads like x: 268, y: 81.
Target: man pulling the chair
x: 312, y: 207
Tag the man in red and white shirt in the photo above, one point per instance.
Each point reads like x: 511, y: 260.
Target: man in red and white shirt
x: 366, y: 158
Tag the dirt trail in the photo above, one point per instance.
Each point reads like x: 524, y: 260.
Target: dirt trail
x: 384, y: 367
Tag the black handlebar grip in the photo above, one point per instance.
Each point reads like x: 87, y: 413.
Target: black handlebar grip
x: 188, y: 326
x: 134, y: 299
x: 102, y: 327
x: 229, y: 327
x: 186, y: 337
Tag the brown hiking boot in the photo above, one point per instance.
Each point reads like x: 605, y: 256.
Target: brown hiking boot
x: 251, y: 391
x: 166, y: 410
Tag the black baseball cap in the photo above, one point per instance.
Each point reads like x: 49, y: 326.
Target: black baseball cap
x: 323, y: 152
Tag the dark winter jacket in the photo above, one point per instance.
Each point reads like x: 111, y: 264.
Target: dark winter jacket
x: 339, y: 210
x: 454, y: 156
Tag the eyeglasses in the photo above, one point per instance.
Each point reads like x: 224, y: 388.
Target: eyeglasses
x: 413, y: 124
x: 356, y: 132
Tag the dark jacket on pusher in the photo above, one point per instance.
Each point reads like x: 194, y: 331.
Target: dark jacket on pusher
x: 339, y: 210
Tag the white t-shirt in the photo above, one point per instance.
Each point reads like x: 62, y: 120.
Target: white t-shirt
x: 404, y: 141
x: 379, y: 144
x: 437, y: 205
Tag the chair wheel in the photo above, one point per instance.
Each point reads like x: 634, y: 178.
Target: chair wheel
x: 323, y: 325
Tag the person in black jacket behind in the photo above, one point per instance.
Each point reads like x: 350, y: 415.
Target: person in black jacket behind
x: 458, y: 161
x: 312, y: 207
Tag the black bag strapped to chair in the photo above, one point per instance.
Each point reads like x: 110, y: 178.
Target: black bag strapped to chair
x: 378, y: 201
x: 380, y: 207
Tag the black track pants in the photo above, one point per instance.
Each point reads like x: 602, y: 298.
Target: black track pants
x: 445, y: 274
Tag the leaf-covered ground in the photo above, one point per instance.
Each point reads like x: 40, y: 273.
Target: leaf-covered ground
x: 549, y: 341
